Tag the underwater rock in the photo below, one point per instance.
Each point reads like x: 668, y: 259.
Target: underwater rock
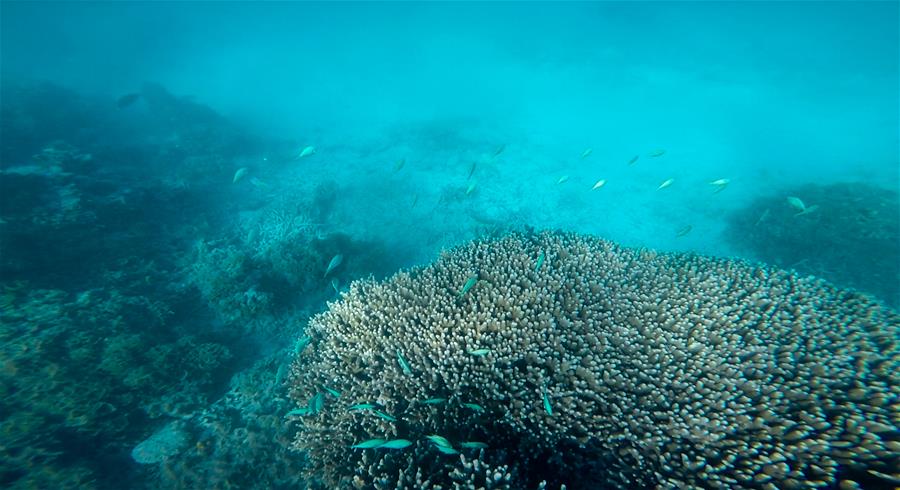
x: 605, y: 367
x: 167, y: 442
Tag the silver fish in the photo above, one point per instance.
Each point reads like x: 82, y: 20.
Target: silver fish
x: 396, y: 444
x: 335, y: 262
x: 362, y: 406
x: 301, y: 344
x: 473, y: 445
x: 796, y: 203
x: 666, y: 183
x: 380, y: 414
x: 439, y: 440
x: 298, y: 412
x: 305, y: 152
x: 403, y: 364
x: 470, y: 283
x: 370, y: 444
x: 446, y: 450
x: 547, y: 407
x: 241, y: 172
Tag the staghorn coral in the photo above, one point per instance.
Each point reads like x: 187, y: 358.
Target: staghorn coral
x: 660, y: 370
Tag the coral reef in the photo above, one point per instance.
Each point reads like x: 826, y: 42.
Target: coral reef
x: 240, y: 441
x: 582, y: 364
x: 849, y: 235
x: 276, y: 264
x: 88, y: 370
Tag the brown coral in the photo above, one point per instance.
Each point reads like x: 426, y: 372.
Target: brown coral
x: 660, y: 370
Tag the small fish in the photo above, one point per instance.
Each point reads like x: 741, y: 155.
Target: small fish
x: 633, y: 160
x: 809, y: 209
x: 126, y: 100
x: 796, y: 203
x: 399, y: 165
x: 335, y: 262
x: 468, y: 285
x: 657, y: 153
x: 439, y: 440
x: 241, y: 172
x: 446, y: 450
x: 480, y: 352
x: 370, y: 444
x: 586, y: 153
x: 403, y: 364
x: 473, y: 445
x: 414, y: 201
x: 380, y: 414
x: 666, y: 183
x: 305, y: 152
x: 362, y: 406
x: 600, y: 183
x: 563, y: 179
x: 720, y: 184
x: 471, y: 170
x: 316, y: 403
x: 892, y: 478
x: 471, y: 188
x: 684, y: 231
x: 298, y: 412
x: 762, y: 217
x: 498, y: 151
x: 258, y: 183
x: 335, y: 285
x: 434, y: 401
x: 474, y: 406
x: 396, y: 444
x: 547, y: 407
x: 540, y: 261
x: 301, y: 344
x: 331, y: 391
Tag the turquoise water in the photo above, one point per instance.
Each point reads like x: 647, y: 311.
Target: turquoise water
x: 163, y: 243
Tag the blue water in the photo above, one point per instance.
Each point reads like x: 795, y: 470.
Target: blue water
x: 432, y: 124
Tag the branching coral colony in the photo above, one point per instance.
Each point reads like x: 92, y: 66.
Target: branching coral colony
x: 573, y: 361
